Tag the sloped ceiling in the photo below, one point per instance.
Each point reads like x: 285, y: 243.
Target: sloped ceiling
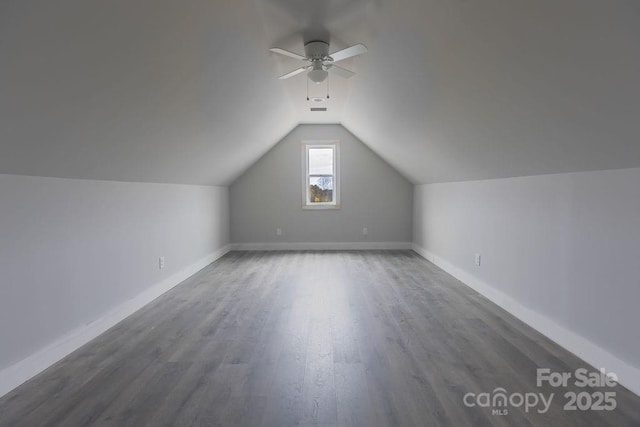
x: 186, y: 91
x: 131, y: 90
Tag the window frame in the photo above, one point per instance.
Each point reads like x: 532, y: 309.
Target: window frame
x: 306, y: 146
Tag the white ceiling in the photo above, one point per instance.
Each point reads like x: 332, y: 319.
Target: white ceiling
x: 186, y: 92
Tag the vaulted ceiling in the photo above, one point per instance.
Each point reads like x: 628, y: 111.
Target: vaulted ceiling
x: 186, y: 91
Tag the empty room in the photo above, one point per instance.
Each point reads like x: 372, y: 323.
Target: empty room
x: 319, y: 213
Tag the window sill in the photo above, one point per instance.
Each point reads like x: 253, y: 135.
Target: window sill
x: 320, y: 207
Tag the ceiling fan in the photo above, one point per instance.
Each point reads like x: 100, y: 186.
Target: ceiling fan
x: 317, y: 53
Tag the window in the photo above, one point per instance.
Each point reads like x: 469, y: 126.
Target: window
x: 321, y: 185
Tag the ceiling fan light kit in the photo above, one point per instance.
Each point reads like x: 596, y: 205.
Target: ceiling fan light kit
x: 318, y: 74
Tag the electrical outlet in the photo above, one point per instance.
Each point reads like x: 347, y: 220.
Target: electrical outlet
x: 365, y: 231
x: 278, y: 231
x: 161, y: 262
x: 478, y: 260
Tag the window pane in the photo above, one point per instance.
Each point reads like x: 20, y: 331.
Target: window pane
x: 321, y: 189
x: 321, y: 161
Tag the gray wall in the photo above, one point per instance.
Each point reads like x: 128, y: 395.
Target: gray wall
x: 565, y: 246
x: 269, y: 196
x: 72, y: 250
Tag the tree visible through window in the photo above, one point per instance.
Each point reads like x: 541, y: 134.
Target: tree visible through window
x: 321, y: 180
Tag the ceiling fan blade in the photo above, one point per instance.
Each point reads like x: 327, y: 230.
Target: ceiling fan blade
x: 293, y: 73
x: 339, y: 71
x: 287, y: 53
x: 357, y: 49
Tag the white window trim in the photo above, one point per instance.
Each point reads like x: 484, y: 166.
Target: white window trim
x: 306, y: 145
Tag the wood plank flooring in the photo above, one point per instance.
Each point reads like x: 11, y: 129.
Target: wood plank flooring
x: 348, y: 338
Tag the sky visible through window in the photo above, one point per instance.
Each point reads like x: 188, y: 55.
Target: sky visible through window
x: 325, y: 183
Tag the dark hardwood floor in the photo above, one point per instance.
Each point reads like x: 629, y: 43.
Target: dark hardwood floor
x: 373, y: 338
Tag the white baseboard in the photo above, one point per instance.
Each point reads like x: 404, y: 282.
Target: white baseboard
x: 302, y: 246
x: 16, y: 374
x: 628, y: 376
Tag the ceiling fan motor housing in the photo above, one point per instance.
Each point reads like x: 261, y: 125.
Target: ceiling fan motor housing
x: 317, y: 50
